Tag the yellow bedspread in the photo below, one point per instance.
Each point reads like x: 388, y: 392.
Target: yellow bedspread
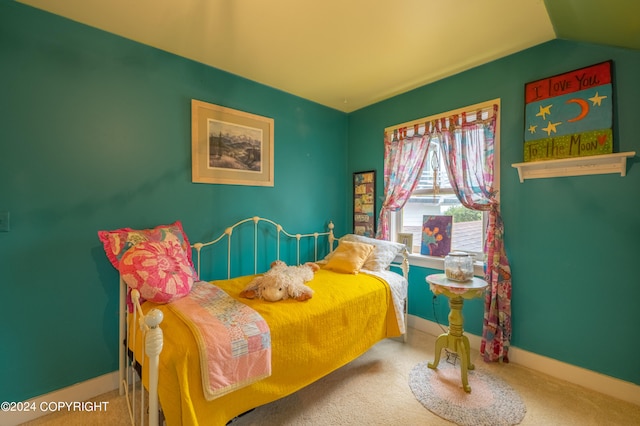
x: 346, y: 316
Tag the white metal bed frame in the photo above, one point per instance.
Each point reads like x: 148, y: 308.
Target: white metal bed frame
x: 150, y: 323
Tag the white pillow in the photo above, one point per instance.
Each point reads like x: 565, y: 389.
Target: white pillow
x: 382, y: 255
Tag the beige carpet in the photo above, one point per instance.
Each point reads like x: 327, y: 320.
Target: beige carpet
x: 374, y: 390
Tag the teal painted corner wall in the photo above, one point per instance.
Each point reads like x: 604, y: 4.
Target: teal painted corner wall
x: 95, y: 133
x: 573, y: 242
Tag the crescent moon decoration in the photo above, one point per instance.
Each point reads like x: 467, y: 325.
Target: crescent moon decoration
x: 584, y: 109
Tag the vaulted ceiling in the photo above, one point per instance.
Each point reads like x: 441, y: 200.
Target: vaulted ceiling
x: 347, y: 54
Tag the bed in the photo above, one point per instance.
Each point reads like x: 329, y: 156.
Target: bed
x: 358, y: 300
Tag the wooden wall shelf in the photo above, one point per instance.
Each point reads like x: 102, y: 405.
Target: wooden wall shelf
x: 577, y: 166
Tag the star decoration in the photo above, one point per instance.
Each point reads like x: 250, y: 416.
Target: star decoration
x: 597, y: 100
x: 532, y: 129
x: 551, y: 127
x: 544, y: 111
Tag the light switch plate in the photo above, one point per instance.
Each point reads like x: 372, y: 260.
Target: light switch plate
x: 4, y: 221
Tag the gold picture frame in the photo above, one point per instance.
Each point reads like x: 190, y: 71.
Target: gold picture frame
x: 230, y: 147
x: 406, y: 238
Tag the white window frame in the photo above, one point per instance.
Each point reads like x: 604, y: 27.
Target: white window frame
x: 395, y: 219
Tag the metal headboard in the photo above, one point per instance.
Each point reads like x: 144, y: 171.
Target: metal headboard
x: 279, y: 231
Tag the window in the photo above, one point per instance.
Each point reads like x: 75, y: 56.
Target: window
x: 434, y: 194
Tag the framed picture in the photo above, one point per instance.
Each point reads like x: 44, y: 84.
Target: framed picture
x: 570, y: 114
x: 406, y: 238
x: 436, y: 235
x: 230, y: 147
x: 364, y: 203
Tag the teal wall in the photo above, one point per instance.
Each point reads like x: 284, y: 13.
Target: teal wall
x: 573, y: 242
x: 95, y: 134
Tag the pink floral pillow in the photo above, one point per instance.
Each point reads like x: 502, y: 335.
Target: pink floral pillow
x: 117, y: 242
x: 160, y: 271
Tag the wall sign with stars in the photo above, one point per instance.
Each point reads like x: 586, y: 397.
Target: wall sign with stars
x: 569, y: 115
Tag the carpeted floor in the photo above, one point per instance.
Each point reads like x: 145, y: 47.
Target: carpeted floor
x: 374, y: 390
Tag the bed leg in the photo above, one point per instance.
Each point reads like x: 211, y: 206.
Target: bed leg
x: 406, y: 319
x: 122, y: 337
x: 153, y: 347
x: 405, y: 273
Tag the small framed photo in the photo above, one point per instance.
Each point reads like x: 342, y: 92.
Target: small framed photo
x: 406, y: 238
x: 364, y: 203
x: 230, y: 147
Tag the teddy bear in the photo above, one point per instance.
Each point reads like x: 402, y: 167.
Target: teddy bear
x: 282, y: 282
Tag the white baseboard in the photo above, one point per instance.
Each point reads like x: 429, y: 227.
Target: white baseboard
x: 76, y: 393
x: 598, y: 382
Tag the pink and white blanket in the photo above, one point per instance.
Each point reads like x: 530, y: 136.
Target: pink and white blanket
x: 234, y: 341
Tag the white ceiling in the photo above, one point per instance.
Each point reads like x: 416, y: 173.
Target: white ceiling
x: 345, y: 54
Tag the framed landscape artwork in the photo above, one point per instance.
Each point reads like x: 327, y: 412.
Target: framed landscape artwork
x: 364, y: 203
x: 230, y: 147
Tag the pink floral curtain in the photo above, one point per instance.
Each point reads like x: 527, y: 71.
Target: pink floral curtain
x: 471, y: 174
x: 404, y: 158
